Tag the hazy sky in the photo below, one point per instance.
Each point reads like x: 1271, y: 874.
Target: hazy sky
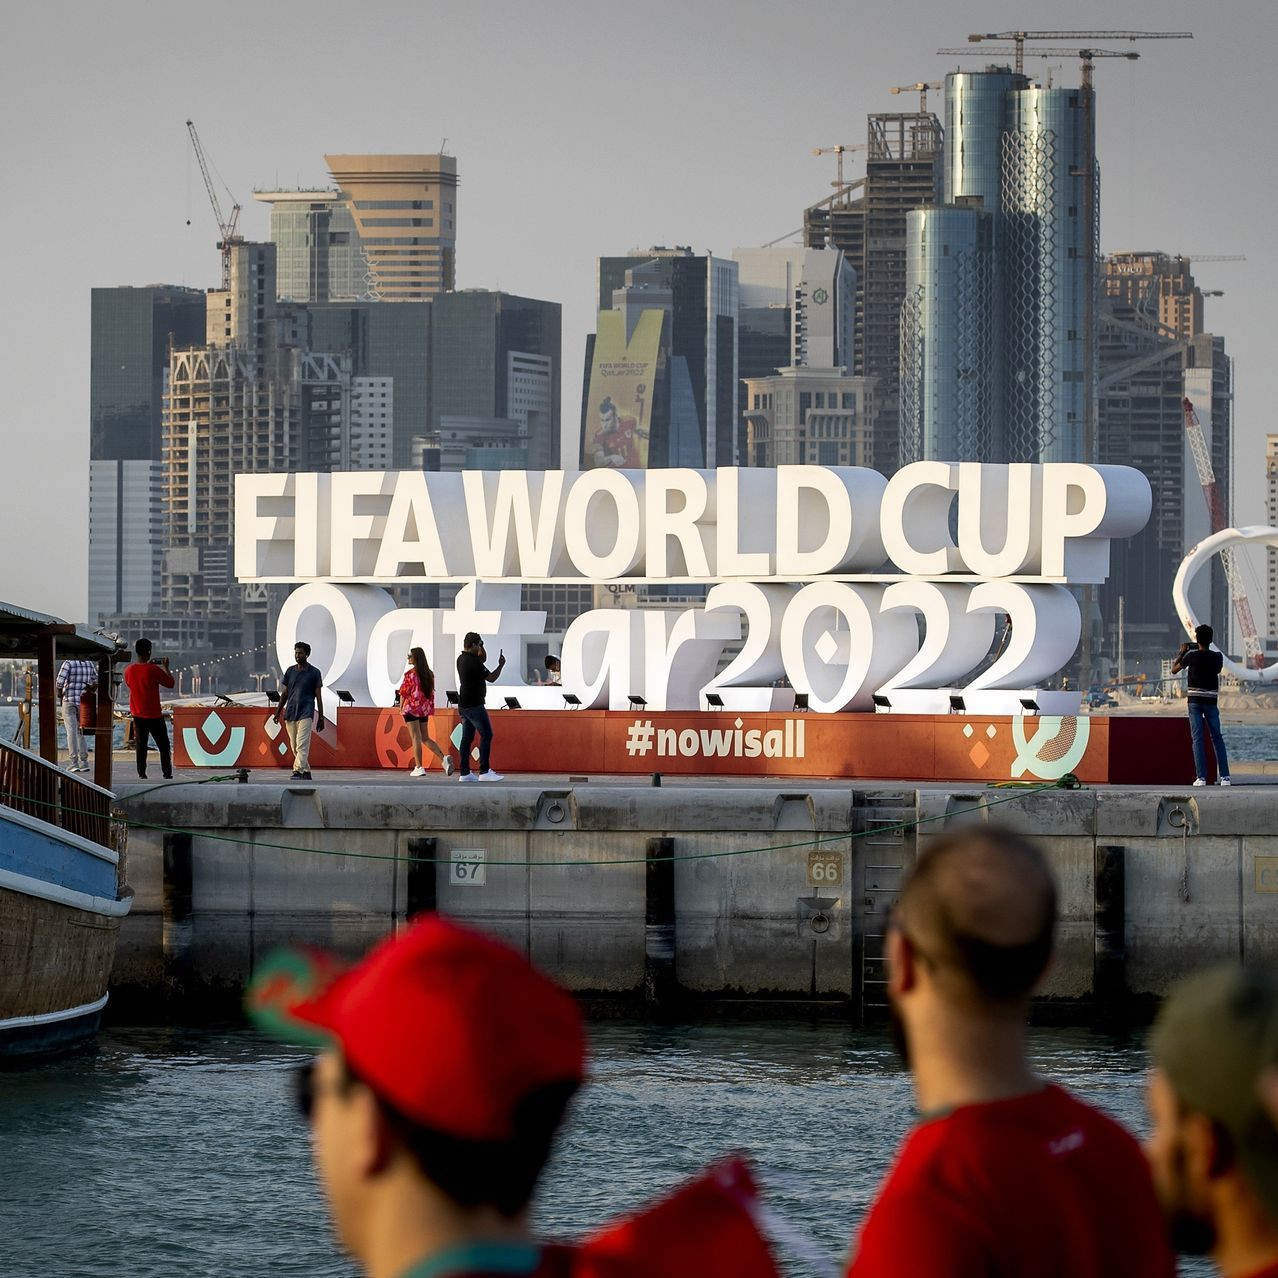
x: 579, y: 130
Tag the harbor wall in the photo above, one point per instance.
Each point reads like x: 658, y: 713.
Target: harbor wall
x: 660, y: 895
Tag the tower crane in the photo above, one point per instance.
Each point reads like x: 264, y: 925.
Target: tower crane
x: 1019, y: 38
x: 226, y: 226
x: 1086, y: 56
x: 921, y: 89
x: 838, y: 152
x: 1216, y: 512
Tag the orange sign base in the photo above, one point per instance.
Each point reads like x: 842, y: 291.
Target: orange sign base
x: 863, y: 747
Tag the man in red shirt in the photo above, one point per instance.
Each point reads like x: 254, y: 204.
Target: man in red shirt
x: 446, y: 1066
x: 1005, y: 1173
x: 145, y: 678
x: 1214, y: 1149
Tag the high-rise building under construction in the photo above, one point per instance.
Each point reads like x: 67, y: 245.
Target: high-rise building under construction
x: 867, y: 220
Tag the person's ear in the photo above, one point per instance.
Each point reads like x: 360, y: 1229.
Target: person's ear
x: 374, y: 1142
x: 1207, y: 1156
x: 902, y: 962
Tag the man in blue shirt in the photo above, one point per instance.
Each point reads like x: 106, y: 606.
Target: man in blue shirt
x: 300, y: 700
x: 1202, y: 686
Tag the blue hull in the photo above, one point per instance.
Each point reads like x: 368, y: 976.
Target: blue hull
x: 31, y: 1043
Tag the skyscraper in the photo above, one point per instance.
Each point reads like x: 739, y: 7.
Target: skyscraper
x: 497, y: 356
x: 901, y: 173
x: 664, y: 359
x: 131, y: 330
x: 405, y: 212
x: 1018, y: 162
x: 1147, y: 369
x: 319, y: 257
x: 800, y: 403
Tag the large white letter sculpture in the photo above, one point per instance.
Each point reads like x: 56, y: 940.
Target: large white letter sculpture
x: 854, y: 590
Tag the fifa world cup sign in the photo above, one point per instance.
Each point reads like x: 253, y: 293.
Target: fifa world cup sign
x: 832, y: 582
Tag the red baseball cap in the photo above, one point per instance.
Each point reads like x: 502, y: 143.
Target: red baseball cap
x: 450, y: 1027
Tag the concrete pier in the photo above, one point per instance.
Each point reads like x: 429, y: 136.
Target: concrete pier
x: 776, y: 893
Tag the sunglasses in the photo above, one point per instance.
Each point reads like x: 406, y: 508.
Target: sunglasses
x: 307, y: 1087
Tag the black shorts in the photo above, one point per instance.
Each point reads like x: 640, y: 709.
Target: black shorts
x: 417, y: 718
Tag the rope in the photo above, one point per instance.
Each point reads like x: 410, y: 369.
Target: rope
x: 878, y: 831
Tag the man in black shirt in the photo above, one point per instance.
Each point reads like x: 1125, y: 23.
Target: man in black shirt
x: 1202, y: 685
x: 472, y: 680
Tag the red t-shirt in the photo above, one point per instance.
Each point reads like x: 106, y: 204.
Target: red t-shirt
x: 1040, y: 1185
x: 145, y: 679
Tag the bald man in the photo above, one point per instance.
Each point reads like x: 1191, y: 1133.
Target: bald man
x: 1004, y: 1172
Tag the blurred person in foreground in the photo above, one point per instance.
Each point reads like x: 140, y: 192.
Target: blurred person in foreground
x: 1005, y: 1173
x: 1214, y: 1149
x: 446, y: 1066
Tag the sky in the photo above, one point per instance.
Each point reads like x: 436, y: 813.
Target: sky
x: 579, y: 130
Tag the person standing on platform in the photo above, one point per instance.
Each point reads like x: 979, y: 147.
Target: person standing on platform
x: 1004, y: 1173
x: 473, y: 676
x: 75, y: 678
x: 1202, y: 686
x: 1214, y: 1149
x: 145, y: 678
x: 417, y: 705
x: 301, y: 704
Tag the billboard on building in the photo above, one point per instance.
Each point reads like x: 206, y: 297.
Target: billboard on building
x: 619, y: 402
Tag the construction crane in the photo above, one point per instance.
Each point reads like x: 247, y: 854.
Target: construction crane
x: 921, y: 89
x: 1216, y: 512
x: 226, y: 226
x: 1213, y: 257
x: 839, y: 151
x: 1018, y: 38
x: 1086, y: 56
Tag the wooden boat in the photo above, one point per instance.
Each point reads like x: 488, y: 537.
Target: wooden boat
x: 62, y: 891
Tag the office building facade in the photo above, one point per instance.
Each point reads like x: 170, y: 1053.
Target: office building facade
x: 1146, y: 371
x: 131, y: 332
x: 951, y: 400
x: 661, y: 370
x: 867, y: 220
x: 404, y: 208
x: 497, y: 356
x: 804, y: 416
x: 319, y: 257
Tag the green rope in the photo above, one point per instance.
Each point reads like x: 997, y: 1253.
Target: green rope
x: 878, y: 831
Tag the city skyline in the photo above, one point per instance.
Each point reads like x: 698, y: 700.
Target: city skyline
x: 684, y: 168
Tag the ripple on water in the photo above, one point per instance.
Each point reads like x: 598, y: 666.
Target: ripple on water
x: 170, y: 1151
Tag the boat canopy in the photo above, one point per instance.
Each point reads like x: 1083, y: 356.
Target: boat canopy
x: 21, y: 630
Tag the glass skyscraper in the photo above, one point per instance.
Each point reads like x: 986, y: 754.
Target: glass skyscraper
x: 951, y: 404
x: 319, y: 256
x: 1016, y: 162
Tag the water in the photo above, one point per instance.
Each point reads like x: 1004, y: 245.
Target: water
x: 178, y: 1151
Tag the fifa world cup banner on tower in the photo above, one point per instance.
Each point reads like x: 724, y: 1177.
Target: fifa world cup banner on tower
x: 619, y: 403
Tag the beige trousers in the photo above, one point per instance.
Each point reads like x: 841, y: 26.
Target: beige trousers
x: 299, y: 737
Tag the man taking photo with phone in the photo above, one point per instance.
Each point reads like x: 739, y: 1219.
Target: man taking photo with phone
x: 473, y: 676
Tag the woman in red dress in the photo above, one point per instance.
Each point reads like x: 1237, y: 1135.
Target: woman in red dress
x: 417, y: 702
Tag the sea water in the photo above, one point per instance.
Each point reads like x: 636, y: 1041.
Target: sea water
x: 177, y: 1151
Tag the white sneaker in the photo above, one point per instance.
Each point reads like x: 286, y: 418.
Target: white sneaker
x: 490, y: 775
x: 418, y: 772
x: 1200, y: 781
x: 1225, y: 781
x: 468, y: 776
x: 448, y: 765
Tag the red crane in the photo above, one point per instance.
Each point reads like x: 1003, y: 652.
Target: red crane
x: 1216, y: 512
